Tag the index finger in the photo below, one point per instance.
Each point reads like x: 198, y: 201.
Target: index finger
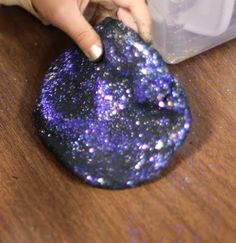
x: 141, y: 14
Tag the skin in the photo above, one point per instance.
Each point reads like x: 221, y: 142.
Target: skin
x: 75, y: 17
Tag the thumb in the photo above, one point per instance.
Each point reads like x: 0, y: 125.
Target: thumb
x: 72, y: 22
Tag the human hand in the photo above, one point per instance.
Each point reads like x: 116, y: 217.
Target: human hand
x: 72, y: 16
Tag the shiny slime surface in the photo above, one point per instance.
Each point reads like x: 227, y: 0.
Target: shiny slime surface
x: 115, y: 123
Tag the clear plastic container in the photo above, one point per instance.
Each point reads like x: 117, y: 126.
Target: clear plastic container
x: 185, y: 28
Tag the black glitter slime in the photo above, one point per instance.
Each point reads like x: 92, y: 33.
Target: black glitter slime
x: 115, y: 123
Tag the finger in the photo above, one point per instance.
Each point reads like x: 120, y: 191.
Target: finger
x: 126, y: 17
x: 72, y: 22
x: 140, y: 12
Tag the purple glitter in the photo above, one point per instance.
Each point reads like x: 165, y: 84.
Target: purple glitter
x: 115, y: 123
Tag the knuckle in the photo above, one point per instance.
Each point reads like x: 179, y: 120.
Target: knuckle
x: 83, y: 36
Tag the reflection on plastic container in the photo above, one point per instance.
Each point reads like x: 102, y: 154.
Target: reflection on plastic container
x: 185, y: 28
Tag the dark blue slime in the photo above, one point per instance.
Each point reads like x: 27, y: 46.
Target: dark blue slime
x: 115, y: 123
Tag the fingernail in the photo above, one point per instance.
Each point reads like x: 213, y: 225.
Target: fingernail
x: 95, y: 52
x: 147, y: 38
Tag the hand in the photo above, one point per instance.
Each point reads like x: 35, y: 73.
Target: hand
x: 72, y: 17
